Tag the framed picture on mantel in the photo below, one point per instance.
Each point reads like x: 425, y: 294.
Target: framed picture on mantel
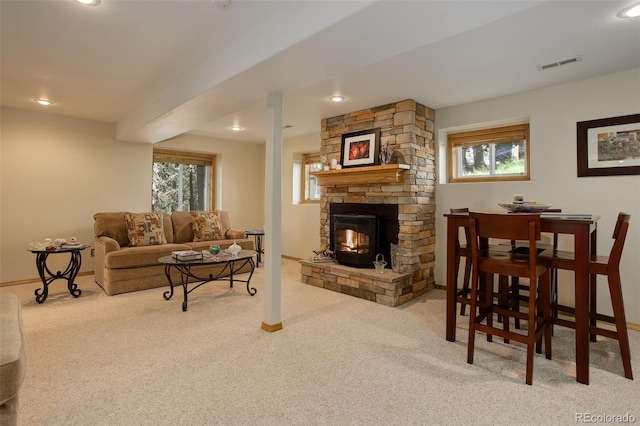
x: 360, y: 148
x: 609, y: 146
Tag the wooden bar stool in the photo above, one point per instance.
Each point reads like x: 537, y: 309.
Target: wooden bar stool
x: 608, y: 266
x: 462, y: 294
x: 505, y: 263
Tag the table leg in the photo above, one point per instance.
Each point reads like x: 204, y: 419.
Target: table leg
x: 41, y: 265
x: 259, y: 249
x: 592, y: 282
x: 251, y: 290
x: 74, y: 266
x: 582, y: 283
x: 168, y: 294
x: 452, y: 236
x: 69, y: 274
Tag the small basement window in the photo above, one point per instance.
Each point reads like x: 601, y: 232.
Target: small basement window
x: 496, y: 154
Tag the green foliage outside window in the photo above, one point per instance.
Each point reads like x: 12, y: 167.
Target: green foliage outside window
x: 178, y: 187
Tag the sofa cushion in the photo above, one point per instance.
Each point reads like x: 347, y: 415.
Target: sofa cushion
x: 225, y: 222
x: 145, y: 229
x: 134, y: 257
x: 206, y: 226
x: 182, y: 227
x: 112, y: 225
x: 168, y: 227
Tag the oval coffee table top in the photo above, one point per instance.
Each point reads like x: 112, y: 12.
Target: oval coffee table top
x: 208, y: 258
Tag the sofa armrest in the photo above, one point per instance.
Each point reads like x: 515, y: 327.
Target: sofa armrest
x: 103, y: 245
x: 106, y: 244
x: 234, y: 234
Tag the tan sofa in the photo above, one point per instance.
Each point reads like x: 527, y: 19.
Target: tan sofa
x: 120, y: 268
x: 13, y: 357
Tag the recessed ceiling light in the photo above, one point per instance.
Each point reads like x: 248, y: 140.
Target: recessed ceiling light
x: 632, y: 11
x: 236, y: 128
x: 44, y: 102
x: 89, y: 2
x: 337, y: 98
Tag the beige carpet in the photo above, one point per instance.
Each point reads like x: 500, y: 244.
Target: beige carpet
x: 136, y: 359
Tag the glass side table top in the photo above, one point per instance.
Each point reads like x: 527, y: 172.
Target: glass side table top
x: 60, y: 249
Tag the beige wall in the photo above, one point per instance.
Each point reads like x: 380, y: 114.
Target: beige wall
x: 553, y: 113
x: 300, y: 221
x: 240, y: 176
x: 56, y: 172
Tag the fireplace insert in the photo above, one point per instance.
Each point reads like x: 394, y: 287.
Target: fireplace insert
x: 387, y: 228
x: 356, y: 239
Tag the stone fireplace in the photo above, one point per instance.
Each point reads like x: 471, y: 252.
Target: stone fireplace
x: 407, y: 184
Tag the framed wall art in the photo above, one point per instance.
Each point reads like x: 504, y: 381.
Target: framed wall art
x: 609, y: 146
x: 360, y: 148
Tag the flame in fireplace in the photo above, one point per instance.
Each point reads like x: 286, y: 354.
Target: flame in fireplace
x: 352, y: 241
x: 350, y: 236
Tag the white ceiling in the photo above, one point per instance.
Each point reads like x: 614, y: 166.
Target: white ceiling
x: 161, y: 68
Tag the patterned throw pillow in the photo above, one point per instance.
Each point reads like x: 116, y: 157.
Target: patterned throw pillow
x: 145, y: 229
x: 207, y: 226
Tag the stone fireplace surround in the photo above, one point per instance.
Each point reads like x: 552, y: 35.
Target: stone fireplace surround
x: 408, y: 127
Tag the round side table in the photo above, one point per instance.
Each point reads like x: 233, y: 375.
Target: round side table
x: 68, y: 274
x: 257, y: 235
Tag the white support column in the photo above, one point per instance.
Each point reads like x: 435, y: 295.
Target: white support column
x: 273, y: 211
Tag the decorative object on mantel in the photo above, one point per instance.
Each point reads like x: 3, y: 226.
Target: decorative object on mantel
x: 360, y: 148
x: 322, y: 256
x: 385, y: 154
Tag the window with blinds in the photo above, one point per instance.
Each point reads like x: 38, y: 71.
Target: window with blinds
x: 497, y: 154
x: 182, y: 181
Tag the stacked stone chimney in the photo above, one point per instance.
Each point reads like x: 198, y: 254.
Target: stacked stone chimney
x: 408, y: 128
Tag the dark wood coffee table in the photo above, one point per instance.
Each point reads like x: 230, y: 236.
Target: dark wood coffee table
x: 232, y: 265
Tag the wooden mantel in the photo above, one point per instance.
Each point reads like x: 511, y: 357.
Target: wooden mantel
x: 385, y: 173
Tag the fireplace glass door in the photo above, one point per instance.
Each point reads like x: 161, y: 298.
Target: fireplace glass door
x: 355, y: 239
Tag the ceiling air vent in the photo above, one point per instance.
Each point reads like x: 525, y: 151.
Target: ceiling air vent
x: 559, y: 63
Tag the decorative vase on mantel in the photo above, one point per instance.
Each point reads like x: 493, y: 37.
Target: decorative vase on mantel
x: 385, y: 154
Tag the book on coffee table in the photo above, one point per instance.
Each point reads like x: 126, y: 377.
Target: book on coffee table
x: 187, y: 255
